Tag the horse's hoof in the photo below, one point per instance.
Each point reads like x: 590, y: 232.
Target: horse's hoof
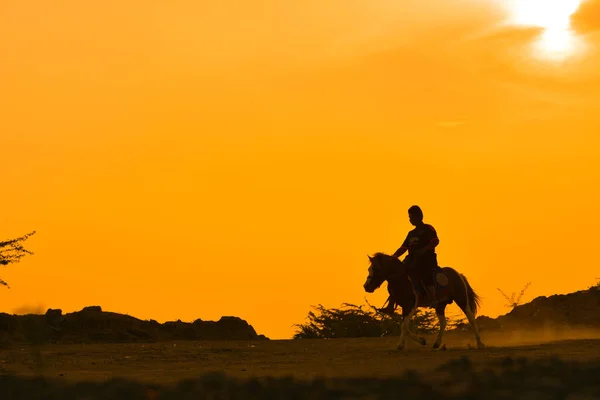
x: 480, y: 345
x: 443, y: 348
x: 422, y: 341
x: 400, y: 346
x: 436, y: 345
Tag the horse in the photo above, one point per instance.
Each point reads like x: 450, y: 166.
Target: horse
x: 400, y: 286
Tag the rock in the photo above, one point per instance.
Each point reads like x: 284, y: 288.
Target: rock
x: 54, y: 318
x: 578, y: 309
x: 92, y: 309
x: 91, y: 324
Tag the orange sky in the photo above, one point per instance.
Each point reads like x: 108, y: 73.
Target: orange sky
x: 184, y: 160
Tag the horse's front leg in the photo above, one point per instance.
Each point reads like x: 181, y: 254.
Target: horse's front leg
x: 405, y: 327
x: 440, y: 312
x: 402, y: 342
x: 415, y: 336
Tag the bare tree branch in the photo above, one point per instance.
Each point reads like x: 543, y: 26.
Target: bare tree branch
x: 514, y: 301
x: 11, y: 252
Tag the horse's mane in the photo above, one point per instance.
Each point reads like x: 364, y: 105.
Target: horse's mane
x: 381, y: 255
x: 387, y: 257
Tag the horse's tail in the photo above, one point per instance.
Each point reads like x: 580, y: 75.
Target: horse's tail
x: 473, y: 298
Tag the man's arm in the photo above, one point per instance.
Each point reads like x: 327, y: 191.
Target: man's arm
x: 431, y: 245
x: 402, y: 249
x: 433, y: 242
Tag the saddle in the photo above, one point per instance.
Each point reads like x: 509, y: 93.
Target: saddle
x: 442, y: 292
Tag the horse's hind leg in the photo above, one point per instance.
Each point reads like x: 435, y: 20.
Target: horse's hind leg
x: 463, y: 303
x: 473, y: 324
x: 440, y: 312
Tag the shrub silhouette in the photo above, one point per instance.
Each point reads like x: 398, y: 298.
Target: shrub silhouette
x: 352, y: 321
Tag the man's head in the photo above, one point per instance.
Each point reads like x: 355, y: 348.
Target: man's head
x: 415, y: 215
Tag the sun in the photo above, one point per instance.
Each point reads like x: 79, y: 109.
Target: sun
x: 547, y: 14
x: 557, y: 40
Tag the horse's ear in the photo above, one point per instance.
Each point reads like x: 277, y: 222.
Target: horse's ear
x: 370, y: 258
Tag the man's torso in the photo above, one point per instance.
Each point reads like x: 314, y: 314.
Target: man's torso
x: 420, y: 237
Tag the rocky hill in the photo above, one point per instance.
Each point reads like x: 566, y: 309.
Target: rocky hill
x: 576, y: 310
x: 92, y: 325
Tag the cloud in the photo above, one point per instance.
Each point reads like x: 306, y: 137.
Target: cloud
x: 587, y: 18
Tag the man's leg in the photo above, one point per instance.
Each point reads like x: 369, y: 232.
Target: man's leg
x: 430, y: 292
x: 425, y: 289
x: 429, y: 267
x: 412, y: 268
x: 418, y: 284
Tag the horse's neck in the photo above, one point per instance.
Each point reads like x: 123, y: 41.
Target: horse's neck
x: 396, y: 278
x: 399, y: 279
x: 399, y: 268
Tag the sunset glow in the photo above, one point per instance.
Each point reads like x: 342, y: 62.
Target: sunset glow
x: 193, y: 159
x: 557, y: 40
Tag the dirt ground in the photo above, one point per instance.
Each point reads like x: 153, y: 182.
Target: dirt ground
x: 306, y: 359
x: 167, y: 364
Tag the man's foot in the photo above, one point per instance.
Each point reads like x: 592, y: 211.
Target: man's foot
x: 389, y: 309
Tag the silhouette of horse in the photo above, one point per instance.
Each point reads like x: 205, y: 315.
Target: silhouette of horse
x: 387, y: 268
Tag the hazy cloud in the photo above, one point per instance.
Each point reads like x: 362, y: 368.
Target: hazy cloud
x: 587, y: 18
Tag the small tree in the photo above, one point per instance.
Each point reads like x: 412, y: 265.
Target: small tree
x: 11, y: 251
x: 514, y: 301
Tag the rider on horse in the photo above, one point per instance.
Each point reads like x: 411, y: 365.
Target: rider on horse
x: 422, y: 259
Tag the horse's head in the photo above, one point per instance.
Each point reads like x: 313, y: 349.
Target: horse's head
x: 382, y: 267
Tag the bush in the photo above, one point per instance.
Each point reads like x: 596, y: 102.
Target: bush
x: 353, y: 321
